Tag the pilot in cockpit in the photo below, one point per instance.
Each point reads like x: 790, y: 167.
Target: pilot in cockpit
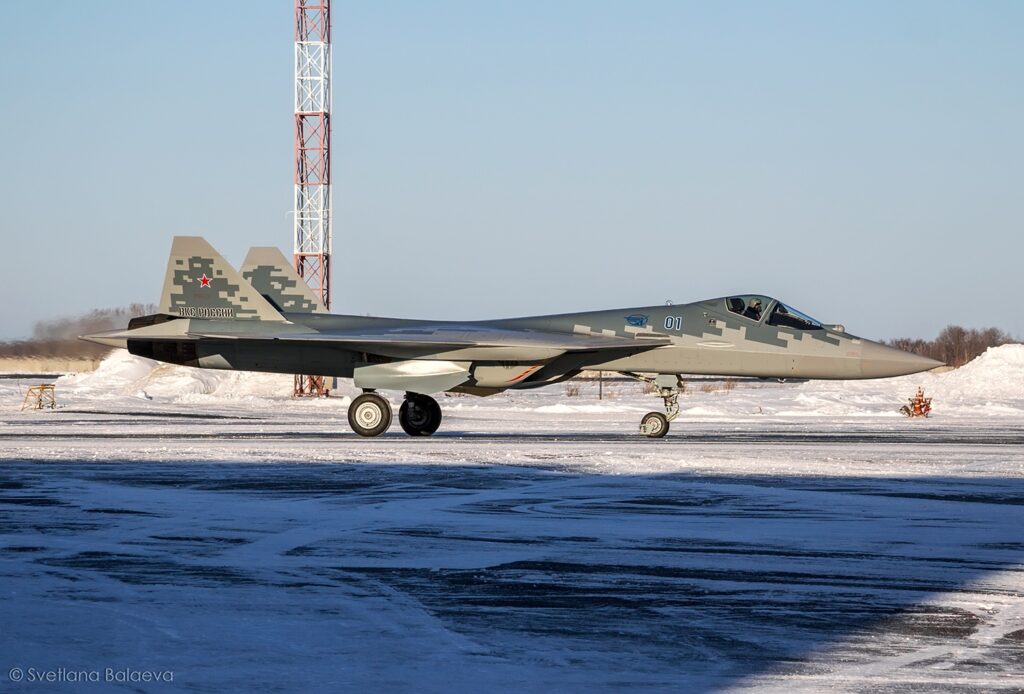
x: 753, y: 309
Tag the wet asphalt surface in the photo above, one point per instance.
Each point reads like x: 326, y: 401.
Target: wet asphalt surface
x: 520, y: 572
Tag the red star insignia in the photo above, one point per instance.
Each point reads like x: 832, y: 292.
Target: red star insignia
x: 204, y: 281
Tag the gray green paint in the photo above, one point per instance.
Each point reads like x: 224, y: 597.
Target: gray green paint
x: 480, y: 357
x: 270, y: 274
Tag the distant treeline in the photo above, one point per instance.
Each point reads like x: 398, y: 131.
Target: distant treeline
x: 59, y: 338
x: 955, y: 345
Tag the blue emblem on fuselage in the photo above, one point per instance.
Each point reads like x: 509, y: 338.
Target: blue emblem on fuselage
x: 637, y: 320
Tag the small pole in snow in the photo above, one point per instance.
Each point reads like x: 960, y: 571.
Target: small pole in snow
x: 600, y: 385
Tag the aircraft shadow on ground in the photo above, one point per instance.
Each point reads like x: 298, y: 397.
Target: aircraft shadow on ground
x: 507, y: 576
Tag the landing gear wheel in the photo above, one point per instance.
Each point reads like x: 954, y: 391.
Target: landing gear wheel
x: 419, y: 415
x: 369, y: 415
x: 654, y: 425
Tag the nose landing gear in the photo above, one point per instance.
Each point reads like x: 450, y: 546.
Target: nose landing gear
x: 655, y: 425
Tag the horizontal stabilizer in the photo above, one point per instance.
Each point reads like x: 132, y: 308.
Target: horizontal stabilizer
x: 110, y: 338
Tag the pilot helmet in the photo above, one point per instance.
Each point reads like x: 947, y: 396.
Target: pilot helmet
x: 755, y: 303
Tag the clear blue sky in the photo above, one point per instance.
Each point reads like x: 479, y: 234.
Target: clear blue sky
x: 862, y: 161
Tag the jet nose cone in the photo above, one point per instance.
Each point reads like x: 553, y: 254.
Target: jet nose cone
x: 879, y: 361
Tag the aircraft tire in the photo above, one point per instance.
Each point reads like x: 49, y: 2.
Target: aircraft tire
x: 420, y: 418
x: 654, y: 425
x: 369, y: 415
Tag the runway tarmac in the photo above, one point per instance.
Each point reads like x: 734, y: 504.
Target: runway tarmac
x: 256, y: 548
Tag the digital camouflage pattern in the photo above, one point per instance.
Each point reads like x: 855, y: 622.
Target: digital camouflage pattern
x: 200, y: 284
x: 230, y: 325
x: 270, y: 273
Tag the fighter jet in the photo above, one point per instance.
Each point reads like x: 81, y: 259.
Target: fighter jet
x: 267, y: 319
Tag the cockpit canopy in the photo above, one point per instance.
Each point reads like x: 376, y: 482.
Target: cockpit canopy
x: 749, y: 306
x: 755, y: 307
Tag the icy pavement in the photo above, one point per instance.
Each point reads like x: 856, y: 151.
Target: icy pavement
x: 796, y: 537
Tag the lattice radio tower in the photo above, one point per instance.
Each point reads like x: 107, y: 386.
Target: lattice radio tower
x: 313, y: 157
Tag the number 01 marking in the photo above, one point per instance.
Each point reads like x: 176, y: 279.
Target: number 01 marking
x: 673, y: 322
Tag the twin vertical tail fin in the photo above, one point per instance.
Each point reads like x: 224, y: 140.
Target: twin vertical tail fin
x: 201, y: 284
x: 273, y: 276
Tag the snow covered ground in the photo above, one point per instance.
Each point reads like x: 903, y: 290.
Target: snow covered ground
x: 794, y: 536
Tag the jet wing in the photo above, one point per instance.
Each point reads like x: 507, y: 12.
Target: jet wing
x: 404, y: 342
x: 425, y: 337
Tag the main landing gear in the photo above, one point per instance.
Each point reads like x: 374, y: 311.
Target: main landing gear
x: 654, y: 425
x: 419, y: 415
x: 370, y: 415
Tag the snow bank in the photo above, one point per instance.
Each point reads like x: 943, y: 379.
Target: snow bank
x: 127, y: 375
x: 997, y: 375
x: 118, y: 374
x: 577, y: 409
x: 991, y: 385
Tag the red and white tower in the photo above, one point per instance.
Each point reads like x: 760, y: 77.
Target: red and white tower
x: 313, y: 157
